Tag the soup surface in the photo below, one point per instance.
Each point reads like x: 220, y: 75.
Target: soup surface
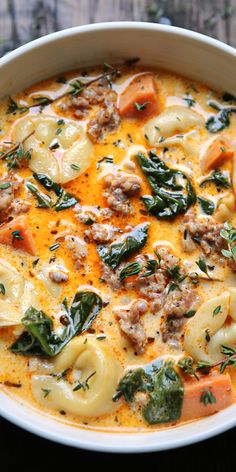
x: 117, y: 259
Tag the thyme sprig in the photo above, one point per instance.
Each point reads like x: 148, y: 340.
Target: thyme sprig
x: 76, y: 87
x: 16, y: 153
x: 188, y: 367
x: 228, y: 233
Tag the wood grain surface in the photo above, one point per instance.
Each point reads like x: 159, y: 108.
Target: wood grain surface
x: 20, y: 22
x: 24, y: 20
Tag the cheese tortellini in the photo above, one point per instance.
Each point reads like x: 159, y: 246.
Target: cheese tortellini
x: 52, y: 287
x: 175, y: 119
x: 62, y: 151
x: 207, y: 331
x: 225, y: 208
x: 16, y: 297
x: 89, y: 359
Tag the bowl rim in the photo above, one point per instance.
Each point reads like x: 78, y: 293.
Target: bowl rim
x: 171, y: 30
x: 94, y: 445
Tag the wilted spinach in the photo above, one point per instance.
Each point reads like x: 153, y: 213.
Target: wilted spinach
x: 173, y: 191
x: 163, y: 388
x: 64, y: 199
x: 44, y: 201
x: 221, y: 120
x: 41, y: 340
x: 207, y: 205
x: 128, y: 244
x: 218, y: 178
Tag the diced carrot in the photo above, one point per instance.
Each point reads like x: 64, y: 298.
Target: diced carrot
x: 219, y: 150
x: 207, y: 395
x: 139, y: 99
x: 18, y: 234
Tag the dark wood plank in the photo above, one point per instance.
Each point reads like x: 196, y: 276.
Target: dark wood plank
x: 24, y: 20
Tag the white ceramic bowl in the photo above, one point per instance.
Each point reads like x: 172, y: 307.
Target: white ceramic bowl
x: 177, y: 50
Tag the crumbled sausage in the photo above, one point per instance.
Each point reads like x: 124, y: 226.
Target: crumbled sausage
x: 106, y: 119
x: 130, y: 323
x: 91, y: 214
x: 118, y: 188
x: 20, y: 206
x: 78, y: 249
x: 177, y: 303
x: 9, y: 205
x: 6, y: 198
x: 102, y: 233
x: 204, y: 232
x: 153, y: 287
x: 180, y: 302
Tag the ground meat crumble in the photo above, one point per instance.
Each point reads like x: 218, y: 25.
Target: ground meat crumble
x: 119, y: 188
x: 175, y: 297
x: 129, y: 317
x: 107, y: 117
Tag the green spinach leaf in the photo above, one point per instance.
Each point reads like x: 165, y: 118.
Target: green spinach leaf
x: 218, y: 178
x: 126, y: 245
x: 166, y: 398
x: 173, y: 191
x: 207, y: 205
x: 163, y: 388
x: 44, y: 201
x: 221, y: 120
x: 41, y: 340
x: 64, y: 200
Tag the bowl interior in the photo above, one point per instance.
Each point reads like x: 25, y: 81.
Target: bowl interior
x: 170, y: 48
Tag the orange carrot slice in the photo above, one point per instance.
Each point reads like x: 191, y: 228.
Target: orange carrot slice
x: 18, y: 234
x: 139, y: 99
x: 210, y: 394
x: 219, y: 150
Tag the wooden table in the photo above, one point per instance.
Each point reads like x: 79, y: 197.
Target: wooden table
x: 24, y: 20
x: 20, y: 22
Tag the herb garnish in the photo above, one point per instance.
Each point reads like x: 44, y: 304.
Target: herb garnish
x: 5, y: 185
x: 190, y: 101
x: 44, y: 201
x: 75, y: 166
x: 186, y: 365
x: 207, y: 397
x: 2, y: 289
x: 45, y: 391
x: 216, y: 310
x: 131, y: 269
x: 189, y: 314
x: 202, y: 266
x: 218, y: 178
x: 16, y: 235
x: 140, y: 106
x: 207, y: 205
x: 228, y: 233
x: 85, y: 384
x: 54, y: 247
x: 150, y: 267
x: 221, y: 120
x: 106, y: 159
x: 13, y: 107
